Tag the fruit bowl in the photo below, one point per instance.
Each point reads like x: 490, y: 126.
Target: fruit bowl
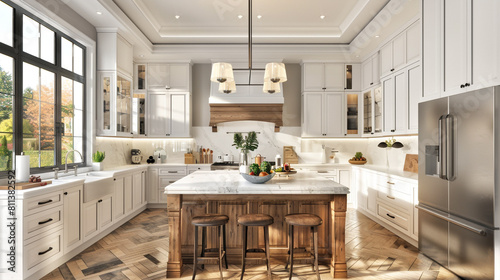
x: 357, y: 161
x: 257, y: 179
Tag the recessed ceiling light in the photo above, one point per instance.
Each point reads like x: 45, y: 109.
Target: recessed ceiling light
x: 259, y: 16
x: 376, y: 36
x: 357, y: 56
x: 177, y: 16
x: 240, y: 16
x: 141, y: 55
x: 99, y: 13
x: 322, y: 17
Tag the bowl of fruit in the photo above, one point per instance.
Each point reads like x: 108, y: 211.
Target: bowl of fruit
x: 259, y: 174
x: 358, y: 159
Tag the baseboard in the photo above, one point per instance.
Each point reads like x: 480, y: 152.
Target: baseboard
x: 55, y: 264
x: 157, y: 205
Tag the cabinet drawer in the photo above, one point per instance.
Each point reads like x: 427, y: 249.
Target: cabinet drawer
x: 43, y: 202
x: 43, y: 249
x: 394, y: 184
x: 180, y: 170
x: 396, y: 198
x: 42, y: 221
x: 393, y: 216
x: 191, y: 169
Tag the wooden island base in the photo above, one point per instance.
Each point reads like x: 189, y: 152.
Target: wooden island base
x: 330, y: 207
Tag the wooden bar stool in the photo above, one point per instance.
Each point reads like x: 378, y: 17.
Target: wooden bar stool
x: 255, y: 220
x: 204, y: 221
x: 308, y: 220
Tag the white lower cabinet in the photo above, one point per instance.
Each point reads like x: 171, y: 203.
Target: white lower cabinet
x: 138, y: 189
x: 97, y: 216
x: 164, y: 181
x: 118, y: 206
x: 72, y: 201
x: 389, y: 200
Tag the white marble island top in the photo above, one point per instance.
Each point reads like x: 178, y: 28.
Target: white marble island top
x: 231, y: 182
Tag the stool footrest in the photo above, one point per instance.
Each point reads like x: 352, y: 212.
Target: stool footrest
x: 212, y: 250
x: 212, y: 258
x: 256, y: 251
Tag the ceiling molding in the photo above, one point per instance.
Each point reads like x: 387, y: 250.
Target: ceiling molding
x: 353, y: 15
x: 147, y: 14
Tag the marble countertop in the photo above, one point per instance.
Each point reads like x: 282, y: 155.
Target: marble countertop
x: 381, y: 169
x: 231, y: 182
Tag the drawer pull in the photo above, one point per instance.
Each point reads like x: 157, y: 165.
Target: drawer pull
x: 390, y: 197
x: 170, y: 182
x: 390, y: 183
x: 65, y: 193
x: 391, y: 216
x: 46, y: 221
x: 173, y: 171
x: 99, y: 201
x: 44, y: 202
x: 45, y: 252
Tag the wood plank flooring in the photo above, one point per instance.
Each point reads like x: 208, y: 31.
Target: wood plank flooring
x: 139, y: 250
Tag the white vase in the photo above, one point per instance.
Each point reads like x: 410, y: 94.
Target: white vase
x: 97, y: 166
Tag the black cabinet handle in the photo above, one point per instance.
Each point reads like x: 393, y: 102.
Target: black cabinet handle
x: 392, y: 69
x: 462, y: 86
x: 46, y: 251
x: 345, y: 88
x: 371, y: 84
x: 390, y: 216
x: 46, y: 221
x: 393, y: 130
x: 99, y: 201
x: 324, y: 88
x: 145, y: 135
x: 345, y: 134
x: 65, y: 193
x: 114, y: 179
x: 467, y: 84
x: 131, y: 133
x: 45, y: 202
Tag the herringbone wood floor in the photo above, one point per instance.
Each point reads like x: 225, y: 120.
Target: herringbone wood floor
x: 139, y: 249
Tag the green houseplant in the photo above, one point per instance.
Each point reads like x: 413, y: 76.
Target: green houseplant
x: 97, y: 159
x: 246, y: 144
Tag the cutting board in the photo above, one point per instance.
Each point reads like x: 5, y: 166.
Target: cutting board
x: 411, y: 163
x: 25, y: 186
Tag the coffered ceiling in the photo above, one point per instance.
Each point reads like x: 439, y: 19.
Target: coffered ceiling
x: 274, y: 21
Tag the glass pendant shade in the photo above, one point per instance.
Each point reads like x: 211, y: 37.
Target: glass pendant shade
x: 270, y: 87
x: 222, y: 72
x: 227, y: 87
x: 275, y: 72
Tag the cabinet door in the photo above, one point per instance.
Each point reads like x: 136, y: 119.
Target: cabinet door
x: 90, y: 225
x: 378, y: 109
x: 119, y: 208
x: 144, y: 176
x: 152, y: 186
x: 386, y: 59
x: 345, y: 179
x: 413, y: 43
x: 352, y: 113
x: 127, y: 194
x: 401, y: 95
x: 179, y: 77
x: 457, y: 47
x: 367, y: 68
x: 399, y: 52
x: 137, y: 190
x: 164, y: 181
x: 313, y: 76
x: 432, y: 13
x: 414, y: 94
x: 389, y: 104
x: 334, y: 109
x: 371, y: 205
x: 179, y: 115
x: 367, y: 112
x: 335, y: 76
x: 105, y: 212
x: 123, y: 106
x: 158, y: 76
x: 158, y: 114
x: 313, y: 115
x: 375, y: 69
x: 72, y: 200
x: 106, y: 124
x: 353, y: 77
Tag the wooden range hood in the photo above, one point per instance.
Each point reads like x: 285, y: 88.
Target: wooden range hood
x: 220, y: 113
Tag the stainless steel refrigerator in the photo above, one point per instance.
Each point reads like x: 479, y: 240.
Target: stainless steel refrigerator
x: 459, y: 183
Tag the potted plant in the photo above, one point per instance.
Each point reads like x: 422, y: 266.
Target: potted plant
x: 97, y: 159
x: 246, y: 144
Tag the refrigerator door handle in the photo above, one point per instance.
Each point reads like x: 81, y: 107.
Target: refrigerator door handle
x: 451, y: 220
x: 442, y: 148
x: 450, y: 147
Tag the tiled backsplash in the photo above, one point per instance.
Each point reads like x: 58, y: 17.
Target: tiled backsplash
x: 270, y: 143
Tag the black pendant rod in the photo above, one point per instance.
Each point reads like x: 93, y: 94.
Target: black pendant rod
x: 249, y: 41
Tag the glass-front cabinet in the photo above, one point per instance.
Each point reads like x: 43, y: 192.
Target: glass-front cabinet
x: 352, y: 115
x: 114, y: 104
x: 372, y: 111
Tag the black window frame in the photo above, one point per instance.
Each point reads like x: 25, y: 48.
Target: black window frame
x: 19, y: 56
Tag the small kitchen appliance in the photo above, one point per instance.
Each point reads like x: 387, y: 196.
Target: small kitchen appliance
x: 136, y: 156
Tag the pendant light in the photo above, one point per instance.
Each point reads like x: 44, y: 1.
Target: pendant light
x: 227, y: 87
x: 275, y: 72
x: 222, y: 72
x: 270, y: 87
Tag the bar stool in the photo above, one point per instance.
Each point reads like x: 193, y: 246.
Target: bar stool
x: 204, y: 221
x: 309, y: 220
x: 255, y: 220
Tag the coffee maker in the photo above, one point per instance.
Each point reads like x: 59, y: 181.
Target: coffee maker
x: 136, y: 156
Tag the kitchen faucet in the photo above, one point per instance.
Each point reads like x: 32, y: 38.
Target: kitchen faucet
x: 66, y: 162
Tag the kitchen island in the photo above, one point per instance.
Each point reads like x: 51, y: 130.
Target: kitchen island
x: 227, y: 192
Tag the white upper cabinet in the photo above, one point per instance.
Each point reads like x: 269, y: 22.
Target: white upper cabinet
x: 331, y: 77
x: 323, y: 114
x: 370, y: 71
x: 169, y: 77
x: 168, y: 114
x: 401, y: 51
x: 114, y: 53
x: 461, y: 46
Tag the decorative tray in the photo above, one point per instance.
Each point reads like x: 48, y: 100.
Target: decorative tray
x: 357, y: 161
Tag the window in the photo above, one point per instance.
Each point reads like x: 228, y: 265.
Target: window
x: 48, y: 121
